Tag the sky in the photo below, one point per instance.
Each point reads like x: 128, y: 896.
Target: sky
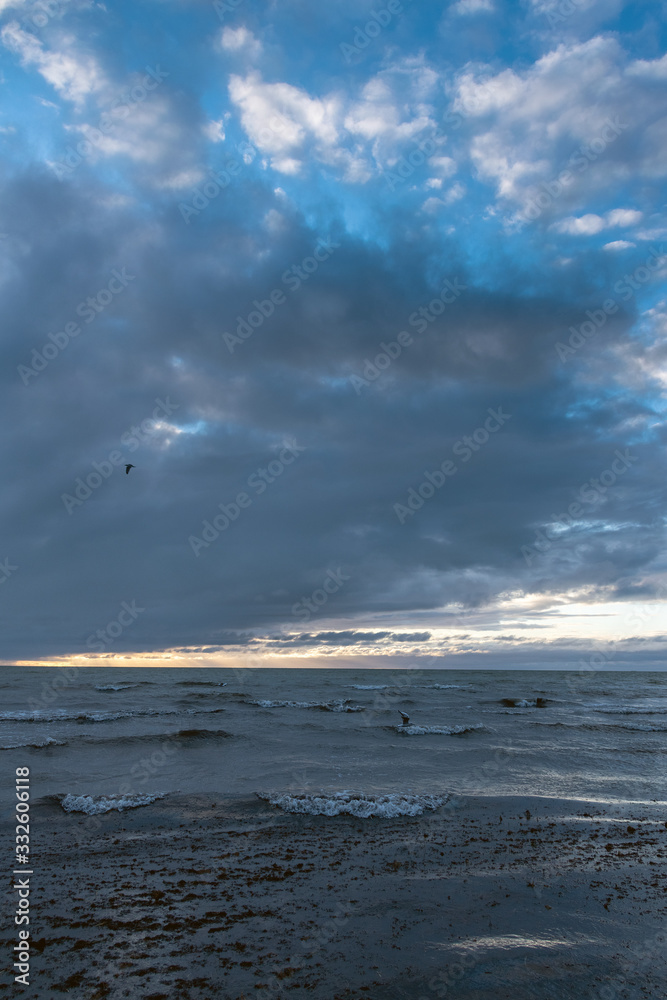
x: 371, y: 295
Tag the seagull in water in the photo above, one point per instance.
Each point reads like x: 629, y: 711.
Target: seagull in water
x: 128, y: 467
x: 404, y: 718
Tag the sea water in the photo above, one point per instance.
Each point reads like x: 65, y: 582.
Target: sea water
x: 330, y: 741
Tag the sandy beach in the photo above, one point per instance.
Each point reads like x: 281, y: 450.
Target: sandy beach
x: 209, y: 897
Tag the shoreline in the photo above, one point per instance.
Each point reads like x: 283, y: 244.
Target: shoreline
x: 220, y: 896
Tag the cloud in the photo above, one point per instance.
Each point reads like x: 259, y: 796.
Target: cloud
x: 529, y: 125
x: 318, y: 359
x: 590, y: 224
x: 74, y: 74
x: 241, y: 40
x: 468, y: 7
x: 618, y: 245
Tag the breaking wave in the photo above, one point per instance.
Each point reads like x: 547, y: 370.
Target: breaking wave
x: 93, y: 805
x: 355, y: 804
x: 343, y: 705
x: 48, y: 742
x: 447, y: 687
x: 114, y: 687
x: 631, y: 711
x: 220, y: 684
x: 438, y: 730
x: 40, y: 715
x: 370, y: 687
x: 524, y: 702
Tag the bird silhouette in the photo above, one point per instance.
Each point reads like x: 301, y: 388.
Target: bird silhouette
x: 128, y: 467
x: 404, y: 718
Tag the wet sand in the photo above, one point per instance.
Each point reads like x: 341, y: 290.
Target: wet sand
x: 220, y: 898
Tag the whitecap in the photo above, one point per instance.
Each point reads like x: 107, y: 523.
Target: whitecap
x: 93, y: 805
x: 355, y: 804
x: 438, y: 730
x: 343, y: 705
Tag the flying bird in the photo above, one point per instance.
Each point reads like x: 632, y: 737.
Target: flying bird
x: 404, y: 718
x: 128, y: 467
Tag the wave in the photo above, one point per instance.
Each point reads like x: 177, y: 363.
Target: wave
x: 343, y: 705
x: 115, y: 687
x: 48, y: 742
x: 61, y: 715
x: 93, y: 805
x: 631, y: 711
x: 524, y: 702
x: 371, y: 687
x: 221, y: 684
x: 446, y: 687
x: 636, y: 727
x: 355, y: 804
x: 438, y: 730
x: 202, y: 734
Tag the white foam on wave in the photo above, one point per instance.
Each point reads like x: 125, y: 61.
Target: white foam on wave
x: 355, y: 804
x: 114, y: 687
x: 370, y: 687
x: 40, y: 715
x: 48, y: 742
x: 438, y: 730
x: 93, y: 805
x: 343, y: 705
x: 447, y: 687
x: 631, y: 711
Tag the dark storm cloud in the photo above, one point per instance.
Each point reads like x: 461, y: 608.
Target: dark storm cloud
x: 229, y: 415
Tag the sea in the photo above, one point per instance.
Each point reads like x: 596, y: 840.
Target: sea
x: 331, y: 741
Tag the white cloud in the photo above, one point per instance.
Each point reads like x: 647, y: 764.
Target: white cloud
x: 353, y: 136
x: 588, y: 225
x: 289, y: 125
x: 241, y: 40
x: 73, y: 74
x: 653, y: 69
x: 527, y: 124
x: 465, y: 7
x: 215, y: 131
x: 623, y: 217
x: 432, y: 205
x: 455, y: 193
x: 618, y: 245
